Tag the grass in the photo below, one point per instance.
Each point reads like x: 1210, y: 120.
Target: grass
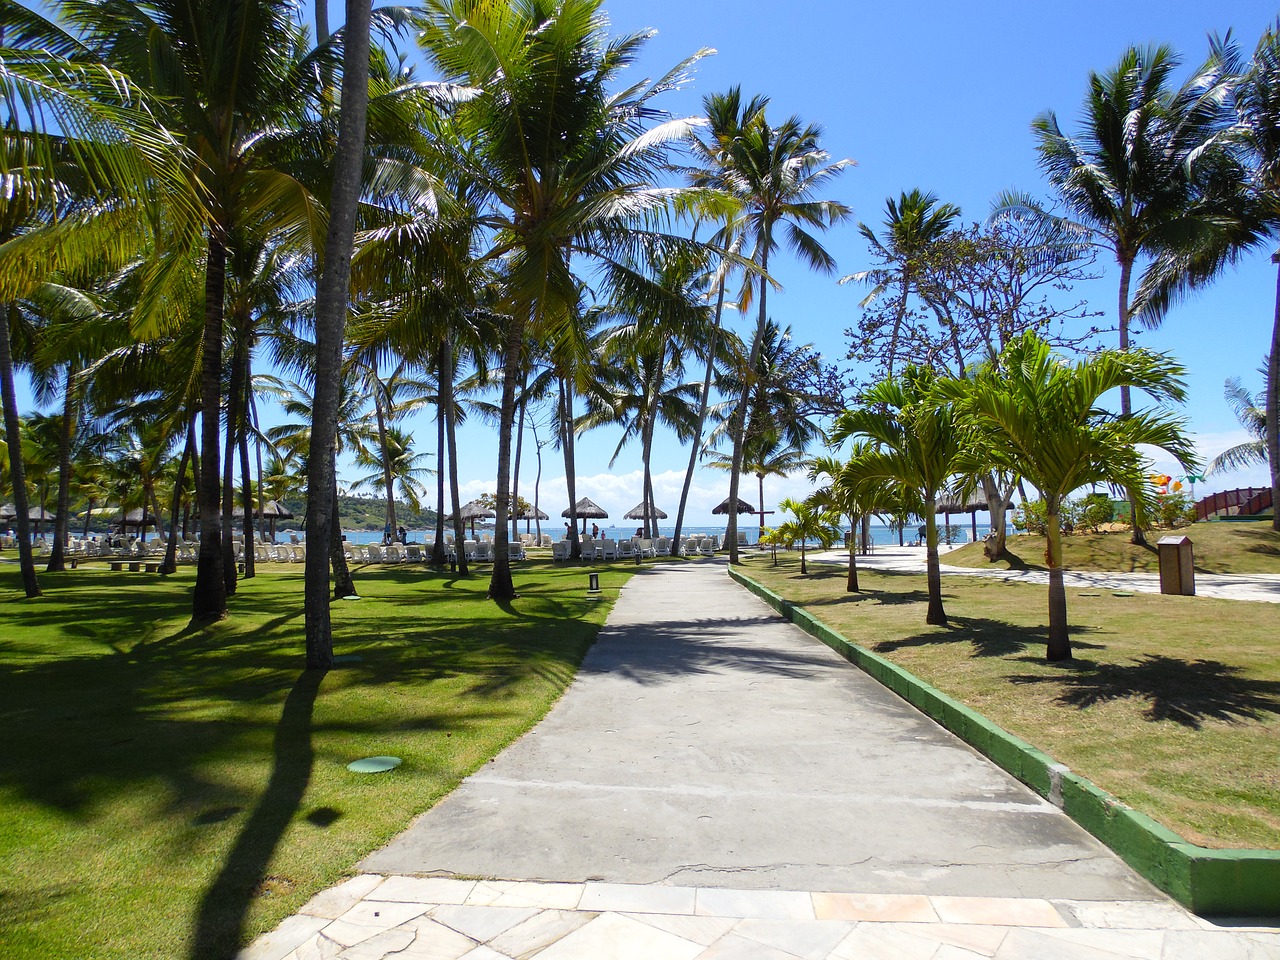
x: 171, y: 792
x: 1171, y: 703
x: 1246, y: 546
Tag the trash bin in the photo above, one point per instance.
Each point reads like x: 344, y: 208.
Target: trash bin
x: 1177, y: 567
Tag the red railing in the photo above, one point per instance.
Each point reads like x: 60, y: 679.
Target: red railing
x: 1244, y: 502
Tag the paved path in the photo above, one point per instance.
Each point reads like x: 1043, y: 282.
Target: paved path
x: 1261, y: 587
x: 717, y: 784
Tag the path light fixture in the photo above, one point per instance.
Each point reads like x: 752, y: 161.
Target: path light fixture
x: 593, y: 586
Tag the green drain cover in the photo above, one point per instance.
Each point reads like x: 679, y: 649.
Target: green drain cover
x: 374, y: 764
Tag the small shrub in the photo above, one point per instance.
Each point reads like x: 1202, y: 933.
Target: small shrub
x: 1095, y: 510
x: 1175, y: 510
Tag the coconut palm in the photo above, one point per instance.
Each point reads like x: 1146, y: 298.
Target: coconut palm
x: 1134, y: 175
x: 1251, y: 411
x: 774, y: 174
x: 912, y: 441
x: 1257, y: 102
x: 1032, y: 413
x: 911, y: 223
x: 566, y: 167
x: 405, y: 467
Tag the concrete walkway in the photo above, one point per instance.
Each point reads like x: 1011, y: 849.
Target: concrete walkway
x: 1260, y: 587
x: 717, y: 784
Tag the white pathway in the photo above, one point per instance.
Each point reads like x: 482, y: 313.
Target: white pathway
x: 1263, y: 587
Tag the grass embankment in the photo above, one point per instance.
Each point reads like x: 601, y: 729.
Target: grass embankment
x: 1171, y: 703
x: 163, y: 787
x: 1217, y: 547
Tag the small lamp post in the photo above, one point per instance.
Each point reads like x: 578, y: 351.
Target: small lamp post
x: 593, y: 586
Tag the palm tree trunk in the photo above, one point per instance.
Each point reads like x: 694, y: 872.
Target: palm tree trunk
x: 649, y: 521
x: 738, y: 423
x: 331, y: 315
x: 515, y: 469
x: 343, y: 584
x: 257, y: 442
x: 703, y: 403
x: 1059, y: 647
x: 936, y: 615
x: 61, y: 523
x: 501, y: 586
x: 851, y: 581
x: 1273, y: 405
x: 13, y: 437
x: 209, y: 599
x: 235, y: 428
x: 804, y: 567
x: 388, y: 481
x: 570, y: 465
x: 170, y: 563
x: 251, y: 508
x: 1126, y: 405
x: 437, y: 549
x: 996, y: 498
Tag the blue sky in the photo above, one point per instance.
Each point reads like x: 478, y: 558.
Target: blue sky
x: 938, y: 96
x: 935, y: 95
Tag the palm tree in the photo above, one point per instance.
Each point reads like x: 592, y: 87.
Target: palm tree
x: 1251, y: 411
x: 912, y: 223
x: 846, y: 495
x: 565, y: 165
x: 1031, y: 413
x: 773, y: 173
x: 394, y: 457
x: 1257, y: 102
x: 912, y: 441
x: 811, y: 520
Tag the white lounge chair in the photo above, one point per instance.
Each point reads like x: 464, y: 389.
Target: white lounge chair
x: 560, y: 550
x: 626, y: 550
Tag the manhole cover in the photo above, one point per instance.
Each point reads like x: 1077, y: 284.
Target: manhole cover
x: 374, y: 764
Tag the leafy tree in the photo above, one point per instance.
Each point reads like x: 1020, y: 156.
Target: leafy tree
x: 1031, y: 413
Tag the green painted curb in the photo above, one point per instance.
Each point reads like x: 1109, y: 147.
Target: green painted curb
x: 1244, y: 883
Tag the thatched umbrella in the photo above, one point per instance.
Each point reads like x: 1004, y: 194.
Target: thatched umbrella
x: 743, y: 507
x: 8, y: 512
x: 271, y: 511
x: 587, y: 509
x: 138, y: 518
x: 532, y: 513
x: 950, y: 506
x: 638, y: 512
x: 473, y: 511
x: 39, y: 515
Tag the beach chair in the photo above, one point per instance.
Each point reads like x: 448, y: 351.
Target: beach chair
x: 646, y: 548
x: 546, y: 540
x: 663, y: 546
x: 708, y: 547
x: 560, y: 550
x: 608, y: 549
x: 373, y: 553
x: 413, y: 553
x: 626, y: 550
x: 589, y: 549
x: 515, y: 551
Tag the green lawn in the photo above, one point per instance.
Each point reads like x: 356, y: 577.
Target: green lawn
x: 1244, y: 546
x: 1171, y: 703
x: 164, y: 786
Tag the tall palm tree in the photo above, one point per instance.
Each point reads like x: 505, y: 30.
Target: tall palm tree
x: 230, y: 76
x: 911, y: 223
x: 1145, y: 175
x: 1133, y: 174
x: 566, y: 166
x: 1032, y: 413
x: 914, y: 441
x: 774, y: 174
x: 1257, y: 103
x: 846, y: 496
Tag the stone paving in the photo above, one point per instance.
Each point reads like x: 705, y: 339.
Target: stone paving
x: 716, y: 784
x: 372, y: 917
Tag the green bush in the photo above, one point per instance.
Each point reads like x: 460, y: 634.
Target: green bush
x: 1175, y: 510
x: 1095, y: 510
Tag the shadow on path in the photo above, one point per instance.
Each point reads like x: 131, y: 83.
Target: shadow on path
x: 226, y: 903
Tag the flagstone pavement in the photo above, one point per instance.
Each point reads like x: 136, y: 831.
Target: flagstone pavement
x: 715, y: 784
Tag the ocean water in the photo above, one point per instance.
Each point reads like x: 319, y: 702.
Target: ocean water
x: 880, y: 533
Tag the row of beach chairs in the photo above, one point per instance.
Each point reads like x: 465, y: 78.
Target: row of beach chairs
x: 642, y: 547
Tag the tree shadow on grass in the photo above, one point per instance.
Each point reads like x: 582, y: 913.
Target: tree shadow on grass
x: 220, y: 922
x: 1188, y: 692
x: 989, y: 638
